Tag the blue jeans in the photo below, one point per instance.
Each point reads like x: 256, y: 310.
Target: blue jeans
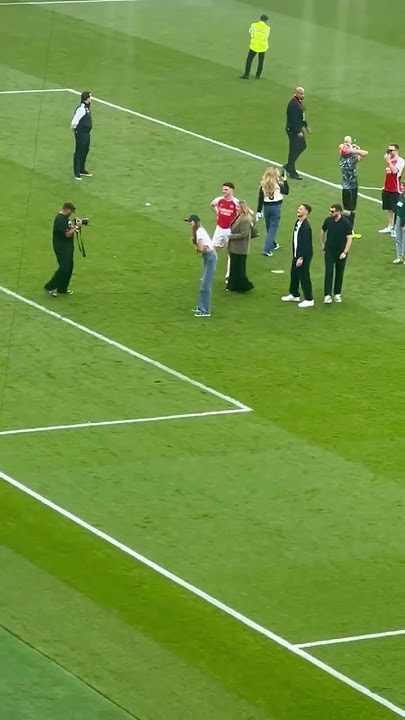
x: 209, y: 265
x: 400, y: 239
x: 272, y: 215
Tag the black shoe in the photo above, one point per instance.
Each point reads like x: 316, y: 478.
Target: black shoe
x: 257, y: 77
x: 244, y: 77
x: 295, y: 176
x: 86, y: 173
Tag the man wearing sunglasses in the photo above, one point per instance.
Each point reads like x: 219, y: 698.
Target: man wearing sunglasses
x: 336, y: 239
x: 394, y: 165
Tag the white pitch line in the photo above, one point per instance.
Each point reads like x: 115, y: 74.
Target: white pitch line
x: 126, y: 349
x: 26, y: 92
x: 61, y: 2
x: 218, y: 143
x: 353, y: 638
x: 130, y: 421
x: 204, y: 596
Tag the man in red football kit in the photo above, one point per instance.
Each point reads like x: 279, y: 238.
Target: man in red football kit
x: 225, y: 207
x: 392, y: 184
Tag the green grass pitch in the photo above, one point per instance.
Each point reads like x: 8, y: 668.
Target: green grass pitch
x: 270, y: 475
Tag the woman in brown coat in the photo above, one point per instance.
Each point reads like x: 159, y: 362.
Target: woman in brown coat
x: 238, y: 248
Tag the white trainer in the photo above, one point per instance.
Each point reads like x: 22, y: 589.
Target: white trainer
x: 327, y: 300
x: 386, y: 230
x: 306, y: 303
x: 397, y: 261
x: 290, y: 298
x: 338, y: 298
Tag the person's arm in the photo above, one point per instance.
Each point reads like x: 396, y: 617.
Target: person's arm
x: 343, y: 255
x: 214, y: 206
x: 80, y: 112
x: 244, y: 230
x: 360, y: 153
x: 260, y: 201
x: 323, y: 238
x: 305, y: 243
x: 284, y: 187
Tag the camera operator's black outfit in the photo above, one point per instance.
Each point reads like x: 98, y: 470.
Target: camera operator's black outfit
x: 64, y: 248
x: 82, y: 124
x: 295, y: 123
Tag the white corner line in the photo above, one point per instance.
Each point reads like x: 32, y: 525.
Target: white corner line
x: 353, y: 638
x: 205, y: 596
x: 130, y: 421
x: 218, y: 143
x: 27, y: 92
x: 126, y: 349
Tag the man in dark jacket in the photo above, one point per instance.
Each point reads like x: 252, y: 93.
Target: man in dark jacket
x: 81, y: 126
x: 296, y: 128
x: 302, y: 256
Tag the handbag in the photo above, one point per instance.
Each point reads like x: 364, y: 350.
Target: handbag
x: 254, y: 233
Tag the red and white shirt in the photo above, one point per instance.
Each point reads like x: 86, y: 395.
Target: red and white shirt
x: 227, y: 210
x: 392, y: 181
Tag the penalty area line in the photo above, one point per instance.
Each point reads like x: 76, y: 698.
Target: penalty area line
x: 62, y: 2
x: 27, y: 92
x: 210, y: 599
x: 129, y: 421
x: 352, y: 638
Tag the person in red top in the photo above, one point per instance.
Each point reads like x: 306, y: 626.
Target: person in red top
x: 392, y: 184
x: 225, y: 207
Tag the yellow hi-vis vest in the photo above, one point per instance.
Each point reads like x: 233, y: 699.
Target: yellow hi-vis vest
x: 259, y: 36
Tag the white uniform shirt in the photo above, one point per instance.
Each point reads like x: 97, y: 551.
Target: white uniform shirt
x: 80, y: 112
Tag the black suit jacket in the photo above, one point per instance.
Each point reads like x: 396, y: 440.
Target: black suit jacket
x: 304, y: 241
x: 295, y: 117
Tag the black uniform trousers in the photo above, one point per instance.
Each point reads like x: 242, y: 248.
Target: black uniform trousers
x: 260, y: 61
x: 296, y: 146
x: 82, y: 147
x: 334, y: 268
x: 64, y: 254
x: 300, y: 276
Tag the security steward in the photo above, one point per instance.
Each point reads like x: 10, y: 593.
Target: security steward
x: 259, y: 44
x: 63, y: 245
x: 81, y: 126
x: 296, y: 127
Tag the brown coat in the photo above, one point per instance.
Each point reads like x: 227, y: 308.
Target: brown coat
x: 239, y: 239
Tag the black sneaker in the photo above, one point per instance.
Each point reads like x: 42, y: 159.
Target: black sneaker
x: 244, y: 77
x: 53, y: 293
x: 86, y: 173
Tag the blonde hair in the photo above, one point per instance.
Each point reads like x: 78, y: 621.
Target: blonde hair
x: 244, y: 209
x: 271, y: 180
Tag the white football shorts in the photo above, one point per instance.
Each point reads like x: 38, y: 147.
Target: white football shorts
x: 220, y: 237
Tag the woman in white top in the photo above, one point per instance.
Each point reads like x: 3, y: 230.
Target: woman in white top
x: 204, y: 245
x: 272, y: 190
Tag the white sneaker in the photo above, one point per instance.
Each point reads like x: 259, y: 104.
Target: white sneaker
x: 386, y: 230
x: 338, y: 298
x: 327, y: 300
x: 306, y: 303
x: 393, y: 233
x: 290, y: 298
x: 397, y: 261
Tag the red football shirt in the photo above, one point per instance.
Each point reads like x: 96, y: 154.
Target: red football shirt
x: 392, y: 181
x: 227, y: 211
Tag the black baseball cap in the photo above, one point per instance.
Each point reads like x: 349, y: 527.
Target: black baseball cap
x: 192, y: 218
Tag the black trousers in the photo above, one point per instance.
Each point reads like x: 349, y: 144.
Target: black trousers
x: 260, y: 61
x: 300, y: 276
x: 82, y: 148
x: 238, y: 280
x: 296, y: 146
x: 334, y: 271
x: 64, y: 254
x: 349, y: 202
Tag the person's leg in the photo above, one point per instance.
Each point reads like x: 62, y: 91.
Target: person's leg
x: 292, y: 150
x: 66, y: 268
x: 305, y: 280
x: 260, y: 63
x: 339, y: 272
x: 234, y: 277
x: 251, y: 54
x: 329, y: 268
x: 402, y: 245
x: 245, y: 284
x: 203, y: 304
x: 294, y: 279
x: 76, y: 156
x: 273, y: 226
x: 57, y: 277
x: 267, y: 213
x: 85, y: 147
x: 398, y: 239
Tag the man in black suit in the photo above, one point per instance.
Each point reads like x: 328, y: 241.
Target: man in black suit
x: 302, y: 256
x: 296, y: 127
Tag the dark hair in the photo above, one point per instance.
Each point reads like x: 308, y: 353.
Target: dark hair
x: 229, y: 184
x: 337, y: 207
x: 68, y: 206
x: 194, y: 232
x: 308, y: 208
x: 264, y: 18
x: 85, y: 96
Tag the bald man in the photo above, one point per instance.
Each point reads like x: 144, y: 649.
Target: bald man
x: 296, y: 128
x: 350, y: 155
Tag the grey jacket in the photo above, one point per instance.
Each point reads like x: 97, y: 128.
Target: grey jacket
x: 239, y: 239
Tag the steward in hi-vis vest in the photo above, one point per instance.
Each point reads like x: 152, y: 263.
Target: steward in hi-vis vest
x: 259, y: 44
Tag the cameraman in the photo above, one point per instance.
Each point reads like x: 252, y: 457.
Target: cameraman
x: 394, y: 165
x: 63, y: 244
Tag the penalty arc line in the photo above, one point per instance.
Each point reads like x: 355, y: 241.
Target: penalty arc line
x: 218, y: 143
x: 124, y: 348
x: 130, y: 421
x: 352, y: 638
x: 204, y: 596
